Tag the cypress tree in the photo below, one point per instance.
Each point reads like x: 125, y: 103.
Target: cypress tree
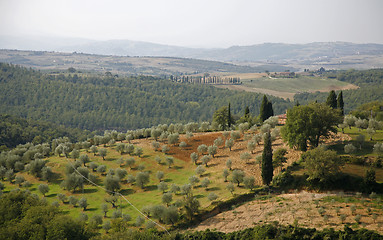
x: 270, y: 111
x: 263, y: 110
x: 266, y: 109
x: 246, y: 116
x: 340, y: 103
x: 229, y: 117
x: 267, y: 160
x: 331, y: 100
x: 247, y: 111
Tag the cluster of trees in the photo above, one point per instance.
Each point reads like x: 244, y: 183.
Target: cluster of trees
x: 16, y: 130
x: 206, y: 79
x: 28, y: 158
x: 335, y: 102
x: 369, y: 110
x: 25, y: 216
x: 225, y: 120
x: 106, y: 102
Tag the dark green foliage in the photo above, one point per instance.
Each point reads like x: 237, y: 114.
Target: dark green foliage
x: 266, y: 231
x: 340, y: 103
x: 266, y: 109
x: 15, y: 131
x: 101, y: 102
x: 279, y: 158
x: 267, y: 160
x: 221, y: 117
x: 369, y: 181
x: 112, y: 183
x: 331, y: 100
x: 321, y: 166
x: 307, y: 124
x: 374, y: 108
x: 230, y: 119
x: 24, y: 216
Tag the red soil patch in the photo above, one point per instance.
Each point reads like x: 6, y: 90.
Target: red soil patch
x: 218, y: 163
x: 193, y: 143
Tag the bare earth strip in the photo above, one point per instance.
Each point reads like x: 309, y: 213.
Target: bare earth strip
x: 286, y: 208
x: 337, y: 88
x: 284, y: 95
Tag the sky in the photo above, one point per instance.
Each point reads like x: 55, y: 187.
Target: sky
x: 197, y: 23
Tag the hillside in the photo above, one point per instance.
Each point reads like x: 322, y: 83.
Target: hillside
x: 95, y: 102
x: 258, y: 209
x: 15, y: 131
x: 369, y: 82
x: 128, y: 65
x: 332, y: 55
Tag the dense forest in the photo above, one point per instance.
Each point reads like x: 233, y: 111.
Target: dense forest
x: 370, y: 83
x: 15, y: 131
x: 111, y: 102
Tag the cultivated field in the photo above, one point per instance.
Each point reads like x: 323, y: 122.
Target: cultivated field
x: 287, y: 87
x: 306, y: 209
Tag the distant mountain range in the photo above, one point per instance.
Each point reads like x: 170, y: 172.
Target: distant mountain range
x: 338, y: 55
x: 253, y: 53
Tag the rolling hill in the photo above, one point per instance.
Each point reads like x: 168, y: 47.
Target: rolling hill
x: 335, y: 55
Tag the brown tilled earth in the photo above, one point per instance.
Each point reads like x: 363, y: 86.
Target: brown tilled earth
x: 218, y: 163
x: 300, y: 208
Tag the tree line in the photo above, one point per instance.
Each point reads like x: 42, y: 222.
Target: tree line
x: 206, y: 79
x: 16, y: 130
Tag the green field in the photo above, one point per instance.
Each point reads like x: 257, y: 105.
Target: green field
x: 179, y: 174
x: 294, y: 85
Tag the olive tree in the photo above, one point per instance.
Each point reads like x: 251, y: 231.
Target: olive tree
x: 142, y: 178
x: 102, y: 152
x: 212, y: 150
x: 194, y: 157
x: 349, y: 148
x: 202, y: 149
x: 321, y: 165
x: 245, y: 157
x: 229, y: 143
x: 205, y: 160
x: 237, y: 176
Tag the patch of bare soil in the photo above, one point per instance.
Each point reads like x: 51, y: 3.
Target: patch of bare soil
x: 337, y: 88
x: 302, y: 208
x: 284, y: 95
x: 218, y: 163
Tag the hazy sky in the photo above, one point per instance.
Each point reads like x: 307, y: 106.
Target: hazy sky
x: 202, y: 23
